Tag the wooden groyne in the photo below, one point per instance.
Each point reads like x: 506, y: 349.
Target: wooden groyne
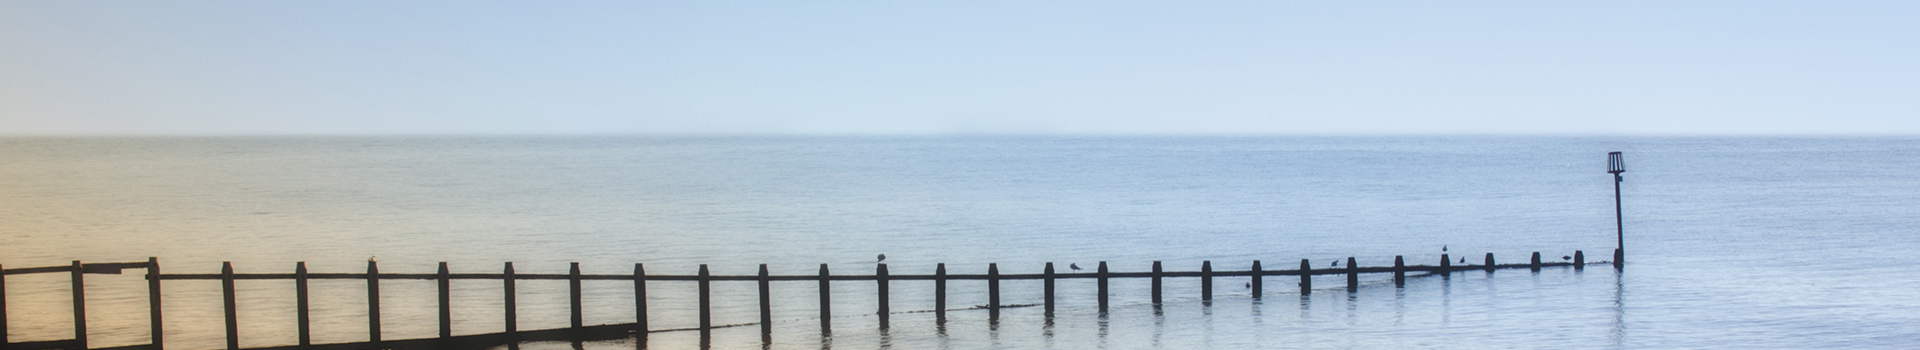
x: 640, y: 279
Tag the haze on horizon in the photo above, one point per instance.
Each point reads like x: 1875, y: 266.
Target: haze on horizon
x: 998, y: 67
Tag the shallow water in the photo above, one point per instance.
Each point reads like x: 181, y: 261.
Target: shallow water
x: 1733, y: 242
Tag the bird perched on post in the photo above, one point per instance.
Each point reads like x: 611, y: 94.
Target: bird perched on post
x: 373, y: 258
x: 1075, y: 267
x: 1463, y: 260
x: 1336, y: 263
x: 883, y: 257
x: 1443, y: 248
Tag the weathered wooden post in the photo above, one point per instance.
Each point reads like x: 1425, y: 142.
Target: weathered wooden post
x: 1047, y: 289
x: 826, y: 303
x: 1489, y: 264
x: 706, y: 302
x: 1306, y: 277
x: 1101, y: 276
x: 940, y: 293
x: 153, y: 305
x: 1156, y: 283
x: 640, y: 301
x: 3, y: 311
x: 1446, y: 264
x: 993, y: 288
x: 1535, y: 265
x: 79, y: 306
x: 1353, y: 275
x: 226, y: 292
x: 446, y: 302
x: 1255, y: 284
x: 373, y: 302
x: 766, y: 306
x: 1579, y: 260
x: 1399, y: 271
x: 303, y: 318
x: 512, y: 312
x: 880, y: 277
x: 573, y: 295
x: 1615, y: 166
x: 1206, y: 281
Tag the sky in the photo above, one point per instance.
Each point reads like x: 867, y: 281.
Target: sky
x: 959, y: 67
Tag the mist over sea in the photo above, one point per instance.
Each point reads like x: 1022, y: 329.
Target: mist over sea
x: 1732, y: 242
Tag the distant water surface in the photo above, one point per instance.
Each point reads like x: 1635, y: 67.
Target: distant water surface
x: 1733, y: 242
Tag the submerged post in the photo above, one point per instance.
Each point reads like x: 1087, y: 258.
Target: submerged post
x: 1206, y: 280
x: 512, y: 312
x: 1306, y: 277
x: 226, y: 292
x: 766, y: 306
x: 1535, y: 265
x: 1046, y: 291
x: 826, y: 303
x: 640, y: 301
x: 1101, y: 276
x: 993, y: 288
x: 1399, y: 271
x: 1489, y: 264
x: 1579, y: 260
x: 1353, y: 275
x: 940, y: 293
x: 880, y: 277
x: 1156, y: 283
x: 1616, y: 165
x: 79, y: 306
x: 1255, y: 284
x: 373, y: 302
x: 153, y: 304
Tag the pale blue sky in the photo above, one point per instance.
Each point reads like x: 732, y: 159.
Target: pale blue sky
x: 952, y: 67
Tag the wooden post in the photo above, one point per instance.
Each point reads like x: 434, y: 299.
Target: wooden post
x: 226, y: 291
x: 373, y: 302
x: 993, y: 287
x: 1619, y: 259
x: 3, y: 310
x: 1156, y: 283
x: 940, y: 293
x: 1353, y: 275
x: 1206, y: 280
x: 153, y: 305
x: 1306, y: 277
x: 1536, y: 262
x: 1046, y: 290
x: 706, y: 302
x: 573, y: 294
x: 1489, y: 265
x: 512, y: 309
x: 79, y: 306
x: 766, y: 306
x: 1446, y: 264
x: 446, y: 302
x: 1256, y: 279
x: 880, y: 277
x: 640, y: 301
x: 1399, y: 271
x: 1102, y: 277
x: 301, y: 314
x: 826, y: 303
x: 1579, y: 260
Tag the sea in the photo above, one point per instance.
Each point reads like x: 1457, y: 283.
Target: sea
x: 1730, y: 242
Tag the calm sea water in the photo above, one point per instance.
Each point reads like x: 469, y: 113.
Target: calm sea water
x: 1732, y: 242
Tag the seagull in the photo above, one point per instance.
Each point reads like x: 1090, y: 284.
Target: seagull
x: 372, y: 258
x: 1563, y: 257
x: 1443, y: 248
x: 883, y: 257
x: 1249, y: 285
x: 1075, y: 267
x: 1336, y: 263
x: 1463, y: 260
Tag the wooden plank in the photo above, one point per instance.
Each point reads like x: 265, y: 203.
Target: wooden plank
x: 226, y: 291
x: 302, y: 315
x: 79, y: 305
